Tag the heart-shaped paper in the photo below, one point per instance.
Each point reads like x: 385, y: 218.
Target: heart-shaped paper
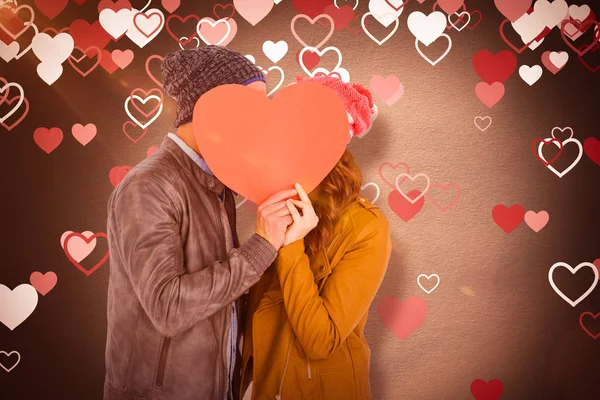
x: 258, y: 146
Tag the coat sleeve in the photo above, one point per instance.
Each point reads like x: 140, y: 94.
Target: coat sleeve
x: 322, y: 322
x: 144, y: 234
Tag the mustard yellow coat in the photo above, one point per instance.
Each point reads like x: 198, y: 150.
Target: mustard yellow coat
x: 305, y: 318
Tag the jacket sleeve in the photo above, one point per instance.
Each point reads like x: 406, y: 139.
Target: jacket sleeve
x: 146, y: 238
x: 322, y: 322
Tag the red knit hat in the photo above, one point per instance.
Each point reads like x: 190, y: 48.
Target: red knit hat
x: 360, y: 107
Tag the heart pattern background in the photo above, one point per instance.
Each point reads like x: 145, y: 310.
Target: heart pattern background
x: 484, y: 158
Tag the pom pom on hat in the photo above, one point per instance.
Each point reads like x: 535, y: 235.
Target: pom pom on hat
x: 361, y: 109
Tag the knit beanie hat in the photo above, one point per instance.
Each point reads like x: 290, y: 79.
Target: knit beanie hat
x: 362, y: 110
x: 188, y: 74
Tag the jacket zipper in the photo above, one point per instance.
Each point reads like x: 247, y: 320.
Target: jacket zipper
x: 287, y: 359
x: 162, y: 361
x: 222, y: 220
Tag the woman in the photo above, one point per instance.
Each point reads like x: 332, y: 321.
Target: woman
x: 305, y: 318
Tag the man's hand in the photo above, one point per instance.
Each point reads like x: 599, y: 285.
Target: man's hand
x: 273, y: 217
x: 302, y: 223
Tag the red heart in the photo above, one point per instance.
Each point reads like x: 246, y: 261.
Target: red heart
x: 51, y: 8
x: 382, y: 175
x: 546, y: 142
x: 451, y: 6
x: 85, y: 54
x: 584, y: 62
x: 404, y: 208
x: 223, y: 7
x: 139, y: 136
x: 435, y: 7
x: 258, y: 146
x: 508, y: 218
x: 150, y: 75
x: 86, y: 35
x: 11, y: 22
x: 87, y: 272
x: 48, y: 139
x: 341, y: 16
x: 584, y: 314
x: 471, y: 27
x: 79, y: 2
x: 311, y: 59
x: 117, y: 174
x: 43, y: 283
x: 310, y: 8
x: 581, y: 26
x: 119, y: 5
x: 519, y: 50
x: 591, y: 147
x: 107, y: 62
x: 402, y: 318
x: 491, y: 390
x: 182, y: 21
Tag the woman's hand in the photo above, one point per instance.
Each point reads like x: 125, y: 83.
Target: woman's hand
x: 302, y: 223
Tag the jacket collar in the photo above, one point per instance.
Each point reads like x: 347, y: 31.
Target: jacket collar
x: 210, y: 182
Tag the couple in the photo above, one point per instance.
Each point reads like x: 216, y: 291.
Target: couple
x: 195, y: 315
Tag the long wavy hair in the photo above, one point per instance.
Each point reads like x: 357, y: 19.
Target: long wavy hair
x: 338, y: 190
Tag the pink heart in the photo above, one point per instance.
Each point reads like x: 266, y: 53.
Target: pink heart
x: 122, y: 58
x: 78, y: 247
x: 450, y: 6
x: 489, y: 94
x: 253, y: 11
x: 402, y: 317
x: 171, y: 5
x: 84, y: 134
x: 536, y: 221
x: 151, y: 150
x: 390, y: 89
x: 513, y: 9
x: 48, y: 139
x: 43, y: 283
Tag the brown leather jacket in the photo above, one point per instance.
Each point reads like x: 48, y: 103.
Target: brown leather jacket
x: 174, y: 273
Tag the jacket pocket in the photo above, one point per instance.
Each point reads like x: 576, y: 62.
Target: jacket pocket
x: 162, y: 361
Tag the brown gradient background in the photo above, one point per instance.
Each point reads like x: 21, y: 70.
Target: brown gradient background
x: 514, y: 327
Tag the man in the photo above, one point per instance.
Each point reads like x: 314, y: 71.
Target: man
x: 176, y: 267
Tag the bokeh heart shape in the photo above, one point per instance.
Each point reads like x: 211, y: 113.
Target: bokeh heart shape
x: 257, y: 146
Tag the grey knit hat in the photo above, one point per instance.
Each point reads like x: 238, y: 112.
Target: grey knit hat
x: 188, y: 74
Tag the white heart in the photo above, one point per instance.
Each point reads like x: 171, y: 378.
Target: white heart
x: 428, y: 277
x: 8, y: 51
x: 183, y: 38
x: 579, y: 12
x: 528, y: 26
x: 212, y: 23
x: 251, y: 58
x: 81, y: 250
x: 26, y: 49
x: 535, y: 44
x: 17, y: 305
x: 281, y: 79
x: 440, y: 58
x: 559, y: 58
x: 459, y: 15
x: 8, y: 355
x: 144, y: 101
x: 479, y: 119
x: 16, y: 107
x: 427, y: 28
x: 275, y: 51
x: 385, y: 39
x: 136, y: 36
x: 556, y: 128
x: 530, y: 74
x: 320, y: 53
x: 570, y: 167
x: 412, y: 178
x: 377, y: 189
x: 383, y: 12
x: 52, y: 50
x: 354, y: 8
x: 116, y: 23
x: 551, y: 13
x: 49, y: 72
x: 573, y: 271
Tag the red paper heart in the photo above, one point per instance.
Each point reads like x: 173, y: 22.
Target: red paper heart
x: 116, y: 174
x: 491, y: 390
x: 80, y: 267
x: 150, y: 75
x: 591, y: 147
x: 73, y: 60
x: 310, y: 8
x: 21, y: 118
x: 107, y: 62
x: 86, y: 35
x: 310, y: 58
x: 223, y: 7
x: 534, y: 149
x: 582, y: 26
x: 404, y: 208
x: 519, y: 50
x: 342, y: 16
x: 139, y: 135
x: 258, y: 146
x: 51, y: 8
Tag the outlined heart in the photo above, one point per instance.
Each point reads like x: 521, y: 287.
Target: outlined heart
x: 369, y: 34
x: 545, y: 142
x: 570, y: 167
x: 444, y: 188
x: 428, y: 278
x: 585, y: 328
x: 377, y: 190
x: 573, y: 303
x: 87, y: 272
x: 214, y: 40
x: 312, y: 22
x: 393, y: 167
x: 182, y: 20
x: 147, y: 66
x: 405, y: 175
x: 85, y: 54
x: 8, y: 355
x: 479, y: 122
